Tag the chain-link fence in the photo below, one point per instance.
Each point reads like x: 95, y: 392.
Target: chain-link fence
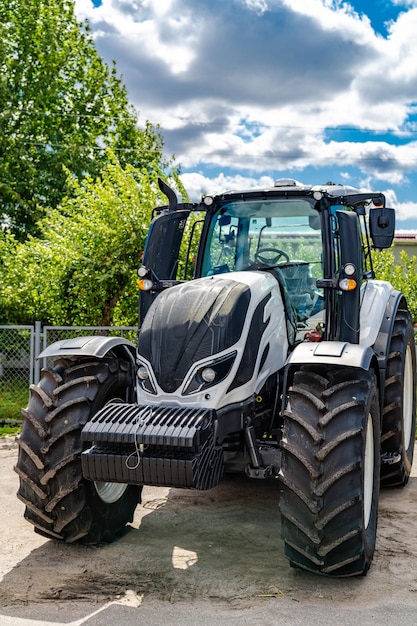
x: 17, y: 345
x: 19, y: 368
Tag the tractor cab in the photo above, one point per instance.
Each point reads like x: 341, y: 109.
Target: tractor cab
x: 279, y: 236
x: 315, y: 241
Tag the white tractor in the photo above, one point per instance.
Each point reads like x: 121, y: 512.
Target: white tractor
x: 267, y: 347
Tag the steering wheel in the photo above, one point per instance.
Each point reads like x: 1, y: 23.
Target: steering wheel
x: 269, y: 259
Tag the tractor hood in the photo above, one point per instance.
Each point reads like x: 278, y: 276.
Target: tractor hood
x: 227, y: 330
x: 191, y: 322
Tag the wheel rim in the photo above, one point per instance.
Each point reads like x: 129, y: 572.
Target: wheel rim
x: 368, y: 477
x: 110, y: 492
x: 408, y: 398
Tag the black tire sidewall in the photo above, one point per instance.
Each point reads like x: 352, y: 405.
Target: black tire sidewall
x: 397, y: 453
x: 408, y: 447
x: 369, y: 532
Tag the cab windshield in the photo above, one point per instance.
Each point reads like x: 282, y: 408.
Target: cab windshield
x: 281, y: 235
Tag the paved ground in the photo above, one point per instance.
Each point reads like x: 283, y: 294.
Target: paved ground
x: 200, y: 558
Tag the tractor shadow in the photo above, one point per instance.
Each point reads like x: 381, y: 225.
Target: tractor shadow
x: 222, y: 545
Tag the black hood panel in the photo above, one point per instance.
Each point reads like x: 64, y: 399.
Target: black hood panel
x: 190, y: 322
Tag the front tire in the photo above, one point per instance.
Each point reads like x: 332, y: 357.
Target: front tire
x: 330, y: 471
x: 59, y: 502
x: 399, y: 409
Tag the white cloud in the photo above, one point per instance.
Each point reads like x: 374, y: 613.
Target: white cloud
x: 150, y: 29
x: 260, y: 6
x: 391, y: 76
x: 405, y: 3
x: 197, y: 184
x: 334, y: 15
x: 254, y: 86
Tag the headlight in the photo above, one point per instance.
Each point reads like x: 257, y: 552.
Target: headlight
x: 209, y: 374
x: 144, y: 379
x: 143, y: 372
x: 208, y: 200
x: 349, y: 269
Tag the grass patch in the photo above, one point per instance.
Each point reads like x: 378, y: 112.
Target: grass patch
x: 14, y: 396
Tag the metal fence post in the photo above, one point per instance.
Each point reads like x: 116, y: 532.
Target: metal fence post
x: 32, y: 359
x: 37, y: 365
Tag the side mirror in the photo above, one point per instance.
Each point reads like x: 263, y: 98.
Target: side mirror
x: 382, y: 227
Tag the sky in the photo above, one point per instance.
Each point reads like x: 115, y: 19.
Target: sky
x: 248, y: 91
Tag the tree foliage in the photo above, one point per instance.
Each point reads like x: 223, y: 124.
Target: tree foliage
x: 61, y: 107
x: 82, y: 270
x: 401, y: 273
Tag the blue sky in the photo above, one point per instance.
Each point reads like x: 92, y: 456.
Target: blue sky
x: 247, y: 91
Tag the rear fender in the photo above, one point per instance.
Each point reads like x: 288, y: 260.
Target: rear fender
x: 383, y: 340
x: 385, y: 329
x: 379, y: 301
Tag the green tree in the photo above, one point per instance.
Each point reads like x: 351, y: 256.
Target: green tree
x: 82, y: 269
x: 401, y: 273
x: 61, y: 107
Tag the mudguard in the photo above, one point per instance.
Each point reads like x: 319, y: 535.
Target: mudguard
x: 379, y: 301
x: 383, y: 338
x: 331, y: 353
x: 95, y: 346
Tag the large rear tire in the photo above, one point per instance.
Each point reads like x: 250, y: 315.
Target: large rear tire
x: 330, y: 471
x: 59, y: 502
x: 399, y: 407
